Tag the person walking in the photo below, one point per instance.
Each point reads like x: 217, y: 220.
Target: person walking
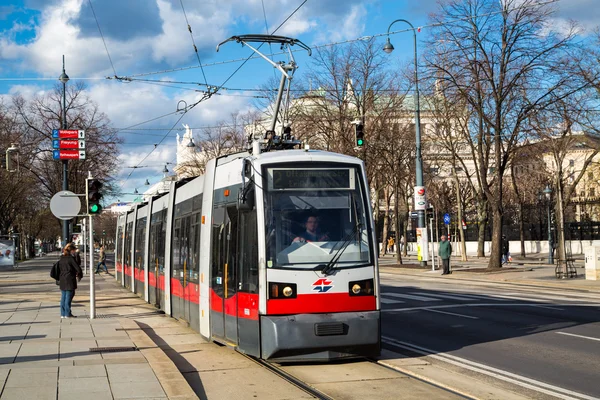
x: 101, y: 260
x: 390, y: 244
x: 401, y: 244
x: 445, y: 251
x: 505, y: 250
x: 77, y: 256
x: 70, y: 274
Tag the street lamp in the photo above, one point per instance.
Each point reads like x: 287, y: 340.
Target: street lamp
x: 64, y: 78
x: 388, y: 48
x: 548, y: 193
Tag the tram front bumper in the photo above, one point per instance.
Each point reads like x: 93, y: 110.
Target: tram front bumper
x: 318, y: 337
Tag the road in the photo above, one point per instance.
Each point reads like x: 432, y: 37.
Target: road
x: 547, y: 340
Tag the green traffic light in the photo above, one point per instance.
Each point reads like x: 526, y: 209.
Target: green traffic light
x: 359, y: 142
x: 95, y: 208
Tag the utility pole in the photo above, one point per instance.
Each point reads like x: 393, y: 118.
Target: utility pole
x: 64, y: 78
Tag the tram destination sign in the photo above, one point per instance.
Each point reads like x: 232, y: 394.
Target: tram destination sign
x: 311, y: 178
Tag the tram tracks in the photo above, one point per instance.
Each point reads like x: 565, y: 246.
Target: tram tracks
x: 305, y: 387
x: 438, y: 391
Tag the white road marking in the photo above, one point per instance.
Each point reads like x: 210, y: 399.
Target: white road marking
x: 579, y: 336
x: 450, y: 313
x: 410, y: 297
x: 487, y: 305
x: 550, y: 308
x: 491, y: 371
x: 504, y: 296
x: 389, y: 301
x: 445, y: 296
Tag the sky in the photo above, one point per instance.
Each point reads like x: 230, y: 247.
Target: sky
x: 145, y: 36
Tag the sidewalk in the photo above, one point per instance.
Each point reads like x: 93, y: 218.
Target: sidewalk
x: 532, y: 270
x: 45, y: 357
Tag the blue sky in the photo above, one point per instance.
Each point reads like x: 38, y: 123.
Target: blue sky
x: 151, y: 35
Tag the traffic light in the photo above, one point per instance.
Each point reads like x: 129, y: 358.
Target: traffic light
x: 360, y: 134
x: 94, y: 196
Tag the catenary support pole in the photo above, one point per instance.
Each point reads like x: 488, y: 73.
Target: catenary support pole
x: 64, y: 78
x: 83, y: 231
x: 92, y: 274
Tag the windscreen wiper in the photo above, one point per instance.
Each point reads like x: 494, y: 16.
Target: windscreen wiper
x: 329, y: 268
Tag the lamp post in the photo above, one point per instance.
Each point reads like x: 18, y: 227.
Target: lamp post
x: 548, y: 193
x: 64, y: 78
x: 388, y: 48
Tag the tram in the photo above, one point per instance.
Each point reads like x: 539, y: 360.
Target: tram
x: 272, y: 251
x: 226, y: 252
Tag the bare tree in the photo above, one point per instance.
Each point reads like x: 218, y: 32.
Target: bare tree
x: 561, y: 130
x: 226, y: 137
x: 507, y: 64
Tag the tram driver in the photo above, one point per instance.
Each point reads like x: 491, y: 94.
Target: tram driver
x: 312, y: 232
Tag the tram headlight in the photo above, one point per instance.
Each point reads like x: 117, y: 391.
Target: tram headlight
x: 282, y: 290
x: 362, y: 288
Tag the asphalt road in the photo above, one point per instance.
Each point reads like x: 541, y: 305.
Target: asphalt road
x: 548, y: 339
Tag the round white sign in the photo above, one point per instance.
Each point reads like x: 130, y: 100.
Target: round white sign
x: 65, y: 205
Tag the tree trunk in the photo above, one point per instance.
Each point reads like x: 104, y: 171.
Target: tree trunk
x: 459, y: 217
x: 397, y: 223
x: 482, y: 217
x: 521, y: 225
x: 386, y: 219
x: 496, y: 252
x: 376, y: 209
x: 405, y: 250
x: 522, y: 230
x: 560, y: 220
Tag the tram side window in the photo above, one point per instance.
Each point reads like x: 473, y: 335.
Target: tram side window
x: 140, y: 243
x: 119, y: 245
x: 217, y: 250
x: 185, y: 247
x: 175, y: 267
x: 128, y: 234
x: 248, y: 265
x: 232, y: 250
x: 194, y: 243
x: 161, y: 242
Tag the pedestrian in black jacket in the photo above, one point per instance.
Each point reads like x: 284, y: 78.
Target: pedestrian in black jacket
x: 70, y: 274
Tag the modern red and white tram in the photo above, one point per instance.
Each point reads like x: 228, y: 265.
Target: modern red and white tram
x: 273, y: 254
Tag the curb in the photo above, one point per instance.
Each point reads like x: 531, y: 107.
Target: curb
x: 171, y: 379
x: 525, y: 282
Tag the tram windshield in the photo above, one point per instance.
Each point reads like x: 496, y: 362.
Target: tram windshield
x: 315, y: 215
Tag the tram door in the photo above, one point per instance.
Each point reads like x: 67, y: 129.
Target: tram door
x: 224, y: 279
x: 180, y: 268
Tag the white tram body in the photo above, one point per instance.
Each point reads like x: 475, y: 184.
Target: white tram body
x: 231, y: 253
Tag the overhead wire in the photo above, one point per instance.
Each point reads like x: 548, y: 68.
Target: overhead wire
x: 331, y: 44
x: 244, y: 61
x: 193, y: 41
x: 267, y: 32
x: 208, y: 95
x: 102, y: 36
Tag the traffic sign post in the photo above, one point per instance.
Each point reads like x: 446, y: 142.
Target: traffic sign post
x: 447, y: 219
